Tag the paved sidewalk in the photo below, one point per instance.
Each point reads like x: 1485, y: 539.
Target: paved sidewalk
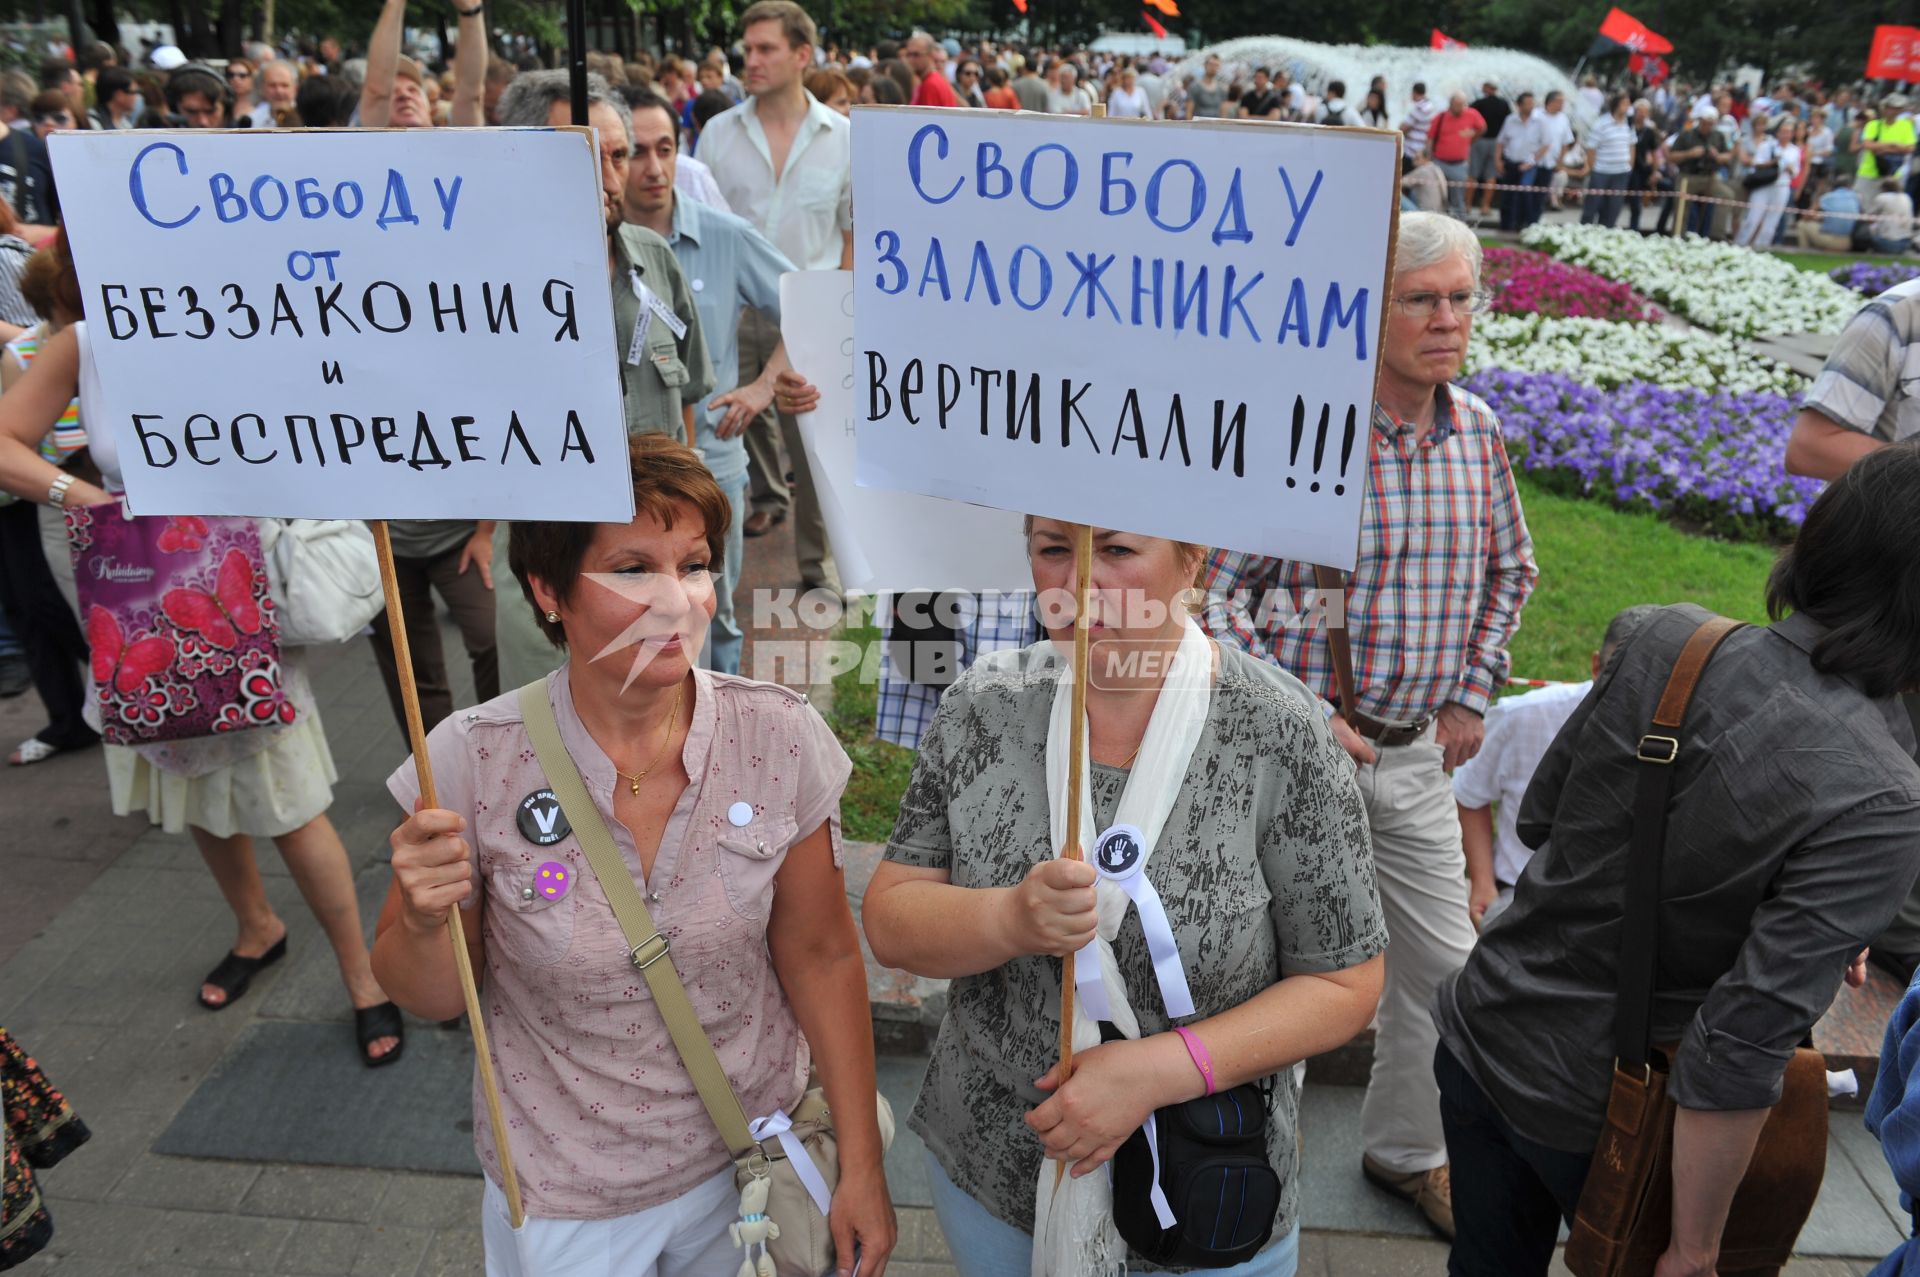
x: 109, y: 925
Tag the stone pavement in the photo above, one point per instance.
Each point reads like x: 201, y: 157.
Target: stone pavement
x: 108, y: 927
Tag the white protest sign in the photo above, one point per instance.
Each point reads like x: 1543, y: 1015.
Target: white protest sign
x: 1171, y: 329
x: 882, y: 540
x: 351, y: 324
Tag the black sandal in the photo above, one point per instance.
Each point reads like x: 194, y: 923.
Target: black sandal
x: 375, y: 1022
x: 235, y: 973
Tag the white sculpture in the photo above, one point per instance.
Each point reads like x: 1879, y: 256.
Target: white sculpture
x: 1444, y: 72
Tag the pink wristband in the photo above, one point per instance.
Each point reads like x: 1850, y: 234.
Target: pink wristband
x: 1198, y: 1050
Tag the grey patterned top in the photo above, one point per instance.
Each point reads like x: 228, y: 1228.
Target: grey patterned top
x: 1264, y: 866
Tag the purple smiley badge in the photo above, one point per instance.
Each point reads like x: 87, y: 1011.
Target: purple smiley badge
x: 552, y: 880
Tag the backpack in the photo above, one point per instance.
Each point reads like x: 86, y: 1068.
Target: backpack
x: 1336, y: 117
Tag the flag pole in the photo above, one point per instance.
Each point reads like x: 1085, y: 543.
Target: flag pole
x: 456, y: 934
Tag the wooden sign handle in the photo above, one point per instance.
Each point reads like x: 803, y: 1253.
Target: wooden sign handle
x: 1076, y: 760
x: 417, y: 741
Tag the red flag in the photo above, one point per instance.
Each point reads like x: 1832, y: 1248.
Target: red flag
x: 1622, y: 27
x: 1167, y: 7
x: 1895, y: 54
x: 1441, y: 40
x: 1159, y: 31
x: 1021, y: 5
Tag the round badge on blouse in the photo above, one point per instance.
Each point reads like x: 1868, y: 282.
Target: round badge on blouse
x: 740, y: 815
x: 540, y: 819
x: 1119, y: 851
x: 552, y: 880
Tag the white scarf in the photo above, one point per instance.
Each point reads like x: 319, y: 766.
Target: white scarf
x: 1073, y: 1232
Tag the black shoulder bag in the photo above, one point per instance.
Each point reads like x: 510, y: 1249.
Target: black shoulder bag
x: 1214, y: 1170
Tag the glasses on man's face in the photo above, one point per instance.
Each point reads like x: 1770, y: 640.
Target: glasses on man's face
x: 239, y: 75
x: 1424, y: 305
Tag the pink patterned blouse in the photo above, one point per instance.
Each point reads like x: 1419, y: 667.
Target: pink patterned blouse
x: 603, y: 1118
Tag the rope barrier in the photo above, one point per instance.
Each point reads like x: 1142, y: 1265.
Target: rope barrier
x: 1598, y: 193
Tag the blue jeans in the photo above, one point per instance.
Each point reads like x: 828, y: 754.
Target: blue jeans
x: 725, y: 637
x: 1509, y: 1193
x: 983, y: 1246
x: 1602, y: 206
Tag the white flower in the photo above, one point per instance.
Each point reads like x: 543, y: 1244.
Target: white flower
x: 1719, y: 286
x: 1607, y: 353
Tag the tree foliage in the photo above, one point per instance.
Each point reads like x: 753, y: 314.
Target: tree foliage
x: 1828, y: 39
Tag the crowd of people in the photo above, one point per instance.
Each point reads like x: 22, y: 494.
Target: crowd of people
x: 1343, y: 827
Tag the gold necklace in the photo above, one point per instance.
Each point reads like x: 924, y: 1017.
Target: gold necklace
x: 673, y: 717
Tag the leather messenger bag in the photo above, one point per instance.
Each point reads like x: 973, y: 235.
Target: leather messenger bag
x: 1624, y: 1220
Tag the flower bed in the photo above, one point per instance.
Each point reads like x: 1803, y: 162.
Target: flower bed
x: 1598, y: 352
x: 1711, y: 457
x: 1873, y: 278
x: 1525, y: 283
x: 1719, y: 286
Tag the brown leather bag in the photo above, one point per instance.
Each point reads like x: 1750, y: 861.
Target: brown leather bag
x: 1625, y: 1217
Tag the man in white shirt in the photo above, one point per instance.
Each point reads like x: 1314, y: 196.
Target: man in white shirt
x: 784, y: 163
x: 1523, y: 147
x: 1611, y: 141
x: 1518, y: 731
x: 1419, y: 121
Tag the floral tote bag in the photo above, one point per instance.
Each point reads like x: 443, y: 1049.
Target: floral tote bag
x: 180, y: 624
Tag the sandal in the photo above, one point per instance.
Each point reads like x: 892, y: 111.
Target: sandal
x: 32, y: 750
x: 235, y: 973
x: 375, y: 1022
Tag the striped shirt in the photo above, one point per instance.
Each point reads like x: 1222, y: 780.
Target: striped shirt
x: 1418, y: 124
x: 1611, y: 142
x: 1445, y: 565
x: 1870, y: 379
x: 68, y: 436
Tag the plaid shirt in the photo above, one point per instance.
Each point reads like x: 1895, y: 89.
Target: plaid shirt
x: 993, y: 622
x: 1445, y: 565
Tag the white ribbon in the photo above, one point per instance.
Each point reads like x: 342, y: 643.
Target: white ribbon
x: 1167, y: 970
x: 1162, y: 1208
x: 780, y: 1126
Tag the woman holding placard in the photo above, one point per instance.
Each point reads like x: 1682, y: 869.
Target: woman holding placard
x: 226, y: 789
x: 1229, y: 819
x: 701, y: 845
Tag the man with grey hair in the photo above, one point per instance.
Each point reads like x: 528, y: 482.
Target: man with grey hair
x: 1450, y: 141
x: 664, y: 369
x: 1420, y: 637
x: 1519, y: 730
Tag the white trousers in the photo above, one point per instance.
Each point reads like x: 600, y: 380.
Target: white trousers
x: 1763, y: 215
x: 686, y: 1237
x: 1422, y: 872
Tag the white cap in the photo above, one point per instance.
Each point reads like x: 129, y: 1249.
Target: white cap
x: 1706, y: 115
x: 168, y: 58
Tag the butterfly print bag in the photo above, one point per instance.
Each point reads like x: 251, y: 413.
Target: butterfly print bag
x: 179, y: 622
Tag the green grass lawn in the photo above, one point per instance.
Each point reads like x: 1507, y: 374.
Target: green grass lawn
x: 1593, y: 562
x: 1824, y: 262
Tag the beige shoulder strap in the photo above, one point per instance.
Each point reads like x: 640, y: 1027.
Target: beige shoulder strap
x: 648, y: 948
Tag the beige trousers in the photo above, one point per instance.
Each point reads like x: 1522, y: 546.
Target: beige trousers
x: 1422, y: 872
x: 758, y: 337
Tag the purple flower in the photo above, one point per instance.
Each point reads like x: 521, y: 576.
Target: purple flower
x: 1716, y: 458
x: 1872, y: 278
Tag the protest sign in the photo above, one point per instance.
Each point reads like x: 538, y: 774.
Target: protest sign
x: 882, y: 540
x: 351, y: 324
x: 1171, y: 329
